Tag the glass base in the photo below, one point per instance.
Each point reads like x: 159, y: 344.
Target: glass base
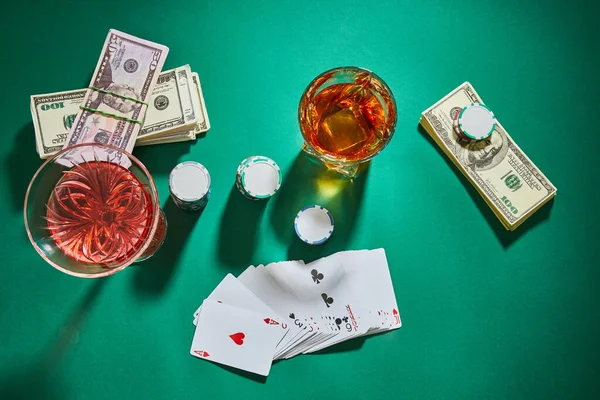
x: 157, y: 240
x: 348, y: 169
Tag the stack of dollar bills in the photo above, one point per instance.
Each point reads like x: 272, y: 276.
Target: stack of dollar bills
x: 176, y: 113
x: 509, y: 182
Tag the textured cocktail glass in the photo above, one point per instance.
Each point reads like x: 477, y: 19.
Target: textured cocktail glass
x: 93, y: 209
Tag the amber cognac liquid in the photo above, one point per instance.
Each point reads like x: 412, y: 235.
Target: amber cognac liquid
x: 347, y: 121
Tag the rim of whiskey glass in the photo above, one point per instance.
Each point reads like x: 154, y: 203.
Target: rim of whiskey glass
x: 304, y: 103
x: 138, y: 253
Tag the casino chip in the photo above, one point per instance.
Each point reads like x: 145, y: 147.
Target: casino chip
x: 476, y: 121
x: 258, y: 177
x: 189, y: 185
x: 314, y: 224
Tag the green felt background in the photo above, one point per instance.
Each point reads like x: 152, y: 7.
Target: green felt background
x: 487, y: 313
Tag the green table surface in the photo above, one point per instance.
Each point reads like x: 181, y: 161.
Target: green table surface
x: 487, y: 313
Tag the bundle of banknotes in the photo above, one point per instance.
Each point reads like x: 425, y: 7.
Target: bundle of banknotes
x: 509, y: 182
x: 129, y: 102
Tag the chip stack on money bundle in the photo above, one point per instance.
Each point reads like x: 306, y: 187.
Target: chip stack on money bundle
x: 474, y: 122
x: 258, y: 177
x: 189, y: 185
x: 475, y: 141
x: 176, y: 112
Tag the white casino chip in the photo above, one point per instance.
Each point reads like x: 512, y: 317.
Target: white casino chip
x: 189, y: 181
x: 314, y: 224
x: 261, y: 178
x: 476, y: 121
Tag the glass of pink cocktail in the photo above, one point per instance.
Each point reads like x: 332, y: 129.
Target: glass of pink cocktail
x: 93, y: 209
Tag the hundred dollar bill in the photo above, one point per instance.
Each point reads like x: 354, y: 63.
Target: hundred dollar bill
x: 504, y: 176
x: 114, y: 106
x: 195, y: 117
x: 173, y: 104
x: 54, y: 113
x: 203, y: 124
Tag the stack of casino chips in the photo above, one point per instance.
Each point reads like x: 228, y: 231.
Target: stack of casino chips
x: 258, y: 177
x: 189, y: 185
x: 474, y: 122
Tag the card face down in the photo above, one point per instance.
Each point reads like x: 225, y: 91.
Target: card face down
x: 236, y: 337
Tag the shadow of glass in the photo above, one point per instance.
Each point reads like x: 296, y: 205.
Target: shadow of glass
x: 239, y: 228
x: 20, y: 165
x: 39, y: 379
x: 309, y: 182
x: 32, y: 382
x: 506, y: 238
x: 153, y: 275
x: 69, y: 332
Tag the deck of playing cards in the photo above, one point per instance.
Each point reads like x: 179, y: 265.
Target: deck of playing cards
x: 288, y: 308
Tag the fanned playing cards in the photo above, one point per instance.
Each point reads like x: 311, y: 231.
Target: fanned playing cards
x: 289, y: 308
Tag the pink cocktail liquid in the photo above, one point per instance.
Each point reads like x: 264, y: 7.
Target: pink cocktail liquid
x: 99, y: 213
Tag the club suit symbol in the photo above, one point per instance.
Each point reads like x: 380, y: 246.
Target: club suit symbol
x: 328, y: 300
x: 338, y: 321
x: 316, y: 276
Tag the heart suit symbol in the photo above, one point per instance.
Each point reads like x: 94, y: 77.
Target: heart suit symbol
x: 238, y: 338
